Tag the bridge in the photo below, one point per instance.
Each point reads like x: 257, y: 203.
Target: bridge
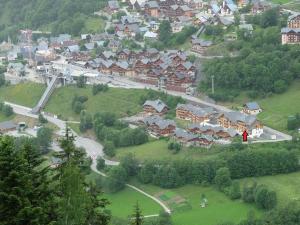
x: 46, y: 95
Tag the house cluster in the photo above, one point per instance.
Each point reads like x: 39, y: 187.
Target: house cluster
x: 170, y: 69
x: 207, y: 126
x: 291, y: 33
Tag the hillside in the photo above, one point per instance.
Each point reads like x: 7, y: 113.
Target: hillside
x: 58, y: 16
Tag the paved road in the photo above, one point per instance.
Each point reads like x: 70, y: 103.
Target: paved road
x: 93, y: 148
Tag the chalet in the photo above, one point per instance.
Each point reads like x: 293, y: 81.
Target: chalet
x: 156, y: 107
x: 7, y: 126
x: 159, y: 127
x: 252, y: 108
x: 105, y: 66
x: 107, y: 55
x: 129, y: 20
x: 124, y: 54
x: 179, y: 78
x: 217, y: 132
x: 200, y: 46
x: 142, y: 64
x: 149, y: 35
x: 259, y: 6
x: 241, y: 122
x: 186, y: 138
x: 73, y: 48
x: 187, y: 11
x: 121, y: 68
x: 113, y: 6
x: 152, y: 8
x: 290, y: 35
x: 55, y: 162
x: 193, y: 113
x: 17, y: 69
x: 190, y: 139
x: 294, y: 21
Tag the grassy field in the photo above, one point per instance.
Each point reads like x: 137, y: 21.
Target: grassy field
x: 5, y: 118
x: 286, y: 186
x: 281, y: 1
x: 158, y: 149
x: 276, y: 108
x: 219, y: 209
x: 94, y: 25
x: 122, y: 203
x: 27, y: 94
x: 116, y: 100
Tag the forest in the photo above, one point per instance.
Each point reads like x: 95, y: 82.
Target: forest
x: 58, y: 16
x: 262, y: 66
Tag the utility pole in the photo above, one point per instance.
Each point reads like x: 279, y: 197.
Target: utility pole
x: 213, y: 84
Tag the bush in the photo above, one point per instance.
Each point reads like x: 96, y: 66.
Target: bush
x: 100, y: 163
x: 265, y: 198
x: 222, y: 178
x: 109, y: 149
x: 234, y: 191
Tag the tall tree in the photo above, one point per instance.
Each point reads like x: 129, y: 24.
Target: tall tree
x: 137, y: 217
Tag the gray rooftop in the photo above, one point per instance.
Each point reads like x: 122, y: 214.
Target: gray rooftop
x: 158, y: 105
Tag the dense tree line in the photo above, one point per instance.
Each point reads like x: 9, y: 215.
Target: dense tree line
x: 239, y: 164
x: 262, y: 67
x: 62, y: 16
x: 169, y: 39
x: 115, y: 133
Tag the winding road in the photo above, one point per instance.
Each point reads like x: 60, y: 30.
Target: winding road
x: 92, y: 148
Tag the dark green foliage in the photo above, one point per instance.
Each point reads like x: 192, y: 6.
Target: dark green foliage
x: 99, y: 88
x: 44, y: 139
x: 146, y: 172
x: 266, y: 19
x: 42, y: 119
x: 248, y: 192
x: 130, y: 164
x: 108, y: 128
x: 25, y: 194
x: 2, y: 79
x: 116, y: 179
x: 222, y: 178
x: 215, y: 30
x: 174, y: 147
x: 265, y: 198
x: 77, y: 103
x: 81, y: 81
x: 62, y: 16
x: 100, y: 163
x: 234, y: 191
x: 164, y: 219
x: 293, y: 122
x: 165, y: 31
x: 249, y: 163
x: 167, y: 177
x: 86, y: 121
x: 263, y: 66
x: 7, y: 110
x: 109, y: 149
x: 137, y: 217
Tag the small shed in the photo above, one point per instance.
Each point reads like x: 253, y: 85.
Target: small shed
x: 7, y: 126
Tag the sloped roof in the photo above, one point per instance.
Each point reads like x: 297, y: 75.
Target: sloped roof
x: 252, y: 105
x: 198, y: 111
x: 158, y: 105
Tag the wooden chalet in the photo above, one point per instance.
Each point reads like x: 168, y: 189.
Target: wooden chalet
x: 156, y: 107
x: 193, y: 113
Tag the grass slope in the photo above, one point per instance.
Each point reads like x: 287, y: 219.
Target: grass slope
x: 158, y: 149
x: 122, y: 203
x: 27, y: 94
x: 286, y: 186
x: 276, y: 108
x: 117, y: 100
x: 219, y: 209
